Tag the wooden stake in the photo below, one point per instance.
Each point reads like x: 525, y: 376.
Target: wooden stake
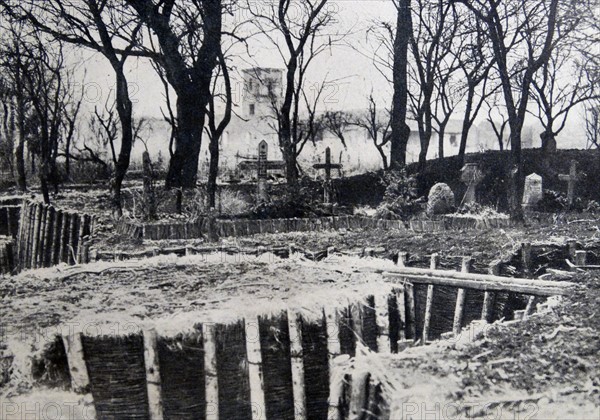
x: 382, y: 316
x: 50, y: 222
x: 572, y: 245
x: 526, y: 255
x: 401, y: 300
x: 435, y: 260
x: 210, y: 370
x: 410, y: 305
x: 152, y: 376
x: 297, y: 356
x: 20, y: 232
x: 72, y: 246
x: 580, y: 258
x: 530, y: 307
x: 36, y: 235
x: 402, y: 259
x: 55, y: 245
x: 41, y: 249
x: 80, y: 380
x: 356, y: 312
x: 428, y: 310
x: 358, y: 395
x: 255, y: 372
x: 336, y: 379
x: 487, y: 311
x: 460, y: 299
x: 79, y: 250
x: 64, y: 239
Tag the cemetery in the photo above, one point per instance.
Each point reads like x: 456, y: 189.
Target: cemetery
x: 299, y: 210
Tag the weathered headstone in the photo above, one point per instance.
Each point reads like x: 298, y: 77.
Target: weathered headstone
x: 572, y: 179
x: 532, y: 192
x: 472, y: 176
x: 328, y: 166
x: 440, y: 199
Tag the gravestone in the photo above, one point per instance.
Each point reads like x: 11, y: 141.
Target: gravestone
x: 440, y: 199
x: 472, y: 176
x: 571, y: 179
x: 328, y: 166
x: 532, y: 192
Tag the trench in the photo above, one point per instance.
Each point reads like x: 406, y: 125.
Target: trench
x: 275, y: 366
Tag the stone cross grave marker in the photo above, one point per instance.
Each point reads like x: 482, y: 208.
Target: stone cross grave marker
x: 328, y: 166
x: 572, y: 179
x: 263, y: 152
x: 532, y: 192
x: 472, y: 176
x: 263, y: 165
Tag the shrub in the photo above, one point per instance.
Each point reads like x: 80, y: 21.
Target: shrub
x: 554, y: 201
x: 401, y: 200
x: 476, y: 209
x: 300, y: 200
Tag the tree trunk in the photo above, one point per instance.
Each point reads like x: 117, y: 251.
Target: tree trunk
x: 516, y: 179
x: 124, y: 109
x: 213, y: 172
x: 424, y: 139
x: 548, y: 142
x: 183, y: 167
x: 19, y: 161
x: 441, y: 133
x: 384, y: 159
x: 400, y: 130
x: 466, y: 125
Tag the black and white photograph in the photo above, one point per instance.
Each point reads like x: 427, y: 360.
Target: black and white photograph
x: 299, y: 209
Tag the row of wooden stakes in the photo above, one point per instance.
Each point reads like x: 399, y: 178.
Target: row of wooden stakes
x: 49, y: 236
x: 385, y: 322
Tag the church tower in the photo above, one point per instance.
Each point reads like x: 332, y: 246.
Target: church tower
x: 263, y: 89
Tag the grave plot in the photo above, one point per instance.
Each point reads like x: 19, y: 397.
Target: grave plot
x: 220, y: 353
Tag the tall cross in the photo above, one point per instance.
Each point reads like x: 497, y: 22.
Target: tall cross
x: 572, y: 179
x: 328, y: 166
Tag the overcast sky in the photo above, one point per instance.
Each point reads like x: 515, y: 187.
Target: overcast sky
x: 350, y: 73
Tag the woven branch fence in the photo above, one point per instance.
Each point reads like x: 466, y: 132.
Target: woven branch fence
x: 49, y: 236
x: 287, y: 365
x: 244, y: 227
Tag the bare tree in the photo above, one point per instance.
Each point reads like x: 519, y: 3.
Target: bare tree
x: 400, y: 131
x: 449, y: 91
x: 104, y: 26
x: 377, y: 127
x: 298, y: 25
x: 522, y: 36
x: 185, y: 38
x: 17, y: 120
x: 48, y: 84
x: 337, y: 123
x: 216, y: 128
x: 556, y: 95
x: 475, y: 59
x: 592, y: 124
x: 433, y: 33
x: 496, y: 118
